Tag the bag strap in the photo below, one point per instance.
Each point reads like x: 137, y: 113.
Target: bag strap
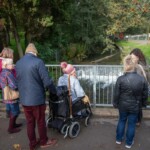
x: 7, y: 78
x: 70, y: 97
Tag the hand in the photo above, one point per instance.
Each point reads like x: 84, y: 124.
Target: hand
x: 115, y: 105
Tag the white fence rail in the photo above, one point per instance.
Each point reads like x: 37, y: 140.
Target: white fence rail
x: 97, y: 81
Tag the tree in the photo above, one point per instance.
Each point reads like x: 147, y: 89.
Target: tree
x: 29, y: 17
x: 125, y: 14
x: 9, y: 13
x: 74, y: 29
x: 78, y: 24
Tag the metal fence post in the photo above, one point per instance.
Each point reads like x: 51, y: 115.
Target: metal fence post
x: 94, y: 85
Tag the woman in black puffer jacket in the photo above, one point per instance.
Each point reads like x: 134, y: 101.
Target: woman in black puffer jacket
x: 130, y: 94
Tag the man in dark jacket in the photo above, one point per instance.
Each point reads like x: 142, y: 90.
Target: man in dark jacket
x: 131, y: 91
x: 33, y: 79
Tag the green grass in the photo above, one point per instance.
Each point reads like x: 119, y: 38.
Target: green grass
x: 129, y: 45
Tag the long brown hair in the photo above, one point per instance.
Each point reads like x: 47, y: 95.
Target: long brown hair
x: 137, y: 52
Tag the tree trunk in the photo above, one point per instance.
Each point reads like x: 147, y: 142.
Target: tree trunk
x: 1, y: 45
x: 16, y: 35
x: 27, y: 37
x: 15, y: 32
x: 26, y: 23
x: 8, y: 32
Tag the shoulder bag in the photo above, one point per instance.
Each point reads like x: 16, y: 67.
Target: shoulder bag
x: 10, y: 94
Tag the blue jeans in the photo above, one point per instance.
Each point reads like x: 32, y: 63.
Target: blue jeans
x: 13, y: 109
x: 131, y: 124
x: 8, y: 108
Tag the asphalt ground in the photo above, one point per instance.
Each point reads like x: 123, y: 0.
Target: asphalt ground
x: 99, y: 135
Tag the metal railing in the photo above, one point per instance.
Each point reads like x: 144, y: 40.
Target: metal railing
x: 97, y: 81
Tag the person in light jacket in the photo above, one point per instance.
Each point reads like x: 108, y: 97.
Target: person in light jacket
x: 130, y: 92
x: 77, y: 92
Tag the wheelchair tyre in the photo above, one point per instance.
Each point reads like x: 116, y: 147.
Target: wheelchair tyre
x: 63, y: 129
x: 87, y: 121
x: 74, y: 129
x: 48, y: 121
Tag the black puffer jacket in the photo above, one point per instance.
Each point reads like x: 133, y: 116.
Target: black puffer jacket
x: 127, y: 100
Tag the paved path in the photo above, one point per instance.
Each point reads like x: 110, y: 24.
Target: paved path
x: 99, y: 135
x: 141, y: 42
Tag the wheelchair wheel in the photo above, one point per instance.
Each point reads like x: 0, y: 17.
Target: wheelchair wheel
x: 49, y: 119
x: 63, y: 129
x: 74, y: 129
x: 87, y: 121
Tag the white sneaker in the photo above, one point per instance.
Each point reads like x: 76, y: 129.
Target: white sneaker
x: 118, y: 142
x: 129, y: 146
